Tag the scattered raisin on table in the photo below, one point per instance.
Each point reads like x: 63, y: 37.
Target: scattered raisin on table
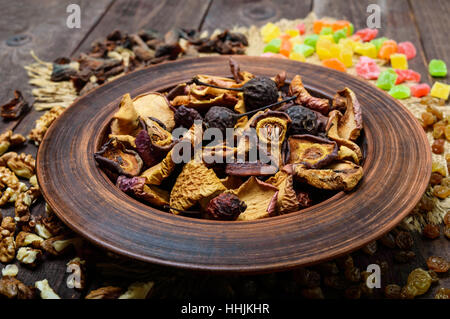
x: 434, y: 276
x: 392, y: 291
x: 307, y: 278
x: 443, y: 293
x: 438, y: 264
x: 353, y: 274
x: 437, y: 167
x: 404, y: 240
x: 226, y: 206
x: 428, y: 118
x: 438, y: 113
x: 404, y: 256
x: 431, y: 231
x: 388, y: 240
x: 439, y: 129
x: 419, y: 281
x: 438, y: 146
x: 435, y: 178
x: 441, y: 191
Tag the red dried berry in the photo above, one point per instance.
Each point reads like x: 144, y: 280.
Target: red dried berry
x: 226, y: 207
x: 431, y: 231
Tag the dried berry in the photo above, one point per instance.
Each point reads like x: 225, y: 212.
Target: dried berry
x: 443, y: 293
x: 419, y: 281
x: 431, y: 231
x: 404, y: 240
x: 441, y: 191
x: 435, y: 178
x: 388, y: 240
x: 258, y: 92
x: 433, y: 110
x: 370, y: 248
x: 185, y: 116
x: 438, y: 146
x: 438, y: 264
x: 304, y: 199
x: 404, y: 256
x: 307, y: 278
x: 226, y: 206
x: 304, y: 120
x: 220, y: 117
x: 392, y: 291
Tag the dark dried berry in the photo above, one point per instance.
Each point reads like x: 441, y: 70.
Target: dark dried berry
x: 307, y: 278
x: 226, y: 207
x: 438, y: 146
x: 370, y: 248
x: 403, y: 256
x: 304, y: 120
x: 304, y: 199
x: 353, y: 274
x: 259, y: 92
x: 438, y: 264
x: 404, y: 240
x: 435, y: 178
x: 392, y: 291
x: 431, y: 231
x: 335, y: 282
x: 220, y: 117
x: 388, y: 240
x: 185, y: 116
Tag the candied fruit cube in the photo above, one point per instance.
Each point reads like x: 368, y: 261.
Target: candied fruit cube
x: 367, y: 34
x: 367, y: 68
x: 269, y: 32
x: 440, y: 90
x: 297, y: 56
x: 292, y: 32
x: 378, y: 42
x: 400, y: 92
x: 437, y: 68
x: 311, y: 40
x: 319, y: 25
x: 386, y: 79
x: 304, y: 49
x: 273, y: 46
x: 420, y: 90
x: 286, y: 48
x: 366, y: 49
x: 387, y: 48
x: 334, y: 63
x: 407, y: 48
x: 399, y: 61
x: 301, y: 28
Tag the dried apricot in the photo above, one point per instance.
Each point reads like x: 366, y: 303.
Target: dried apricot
x: 438, y: 264
x: 435, y: 178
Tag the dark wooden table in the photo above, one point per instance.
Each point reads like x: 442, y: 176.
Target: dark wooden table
x: 424, y: 22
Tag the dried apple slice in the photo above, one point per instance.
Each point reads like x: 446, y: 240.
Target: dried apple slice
x: 346, y: 153
x: 116, y: 158
x: 159, y: 172
x: 343, y: 175
x: 126, y: 119
x: 155, y: 105
x: 350, y: 124
x: 311, y: 150
x: 259, y: 197
x: 224, y: 99
x: 195, y: 182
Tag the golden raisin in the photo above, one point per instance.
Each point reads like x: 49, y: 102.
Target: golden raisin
x: 447, y: 132
x: 419, y: 280
x: 428, y: 118
x: 441, y: 191
x: 435, y: 178
x: 438, y: 168
x: 438, y: 146
x: 431, y: 231
x: 439, y: 130
x: 435, y: 112
x: 447, y: 218
x: 443, y: 293
x: 438, y: 264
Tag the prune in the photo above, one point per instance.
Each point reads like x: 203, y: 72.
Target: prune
x: 226, y: 207
x: 220, y: 117
x: 404, y: 256
x: 304, y: 199
x: 185, y: 116
x: 443, y: 293
x: 392, y: 291
x: 438, y: 146
x: 304, y: 120
x: 438, y: 264
x: 404, y: 240
x: 435, y: 178
x: 258, y: 92
x: 431, y: 231
x: 307, y: 278
x: 370, y: 248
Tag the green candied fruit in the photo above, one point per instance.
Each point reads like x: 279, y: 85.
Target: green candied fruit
x: 273, y: 46
x: 311, y: 40
x: 386, y: 79
x: 340, y: 34
x: 400, y: 92
x: 437, y: 68
x: 378, y: 42
x: 326, y: 31
x: 304, y: 49
x: 352, y: 28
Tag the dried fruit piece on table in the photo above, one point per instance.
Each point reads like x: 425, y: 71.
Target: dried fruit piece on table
x: 438, y: 146
x: 304, y: 49
x: 304, y: 98
x: 136, y: 186
x: 46, y: 291
x: 221, y: 118
x: 225, y: 206
x: 10, y: 270
x: 440, y: 90
x: 259, y: 197
x: 407, y: 48
x: 392, y: 291
x: 155, y: 105
x: 442, y: 293
x: 404, y: 256
x: 8, y: 138
x: 447, y: 231
x: 419, y: 281
x: 15, y: 107
x: 13, y: 288
x: 404, y: 240
x: 269, y: 32
x: 431, y: 231
x: 287, y: 200
x: 311, y: 40
x: 386, y: 79
x: 29, y: 256
x: 441, y: 191
x: 438, y: 264
x: 366, y: 49
x: 437, y: 68
x: 115, y: 157
x: 108, y: 292
x: 22, y: 165
x: 407, y: 75
x: 312, y: 151
x: 43, y: 123
x: 420, y: 90
x: 367, y: 68
x: 400, y: 92
x: 343, y: 175
x: 196, y: 182
x: 126, y: 120
x: 428, y: 118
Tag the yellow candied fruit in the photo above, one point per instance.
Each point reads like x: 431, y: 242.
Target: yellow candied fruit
x: 366, y: 49
x: 437, y: 167
x: 399, y: 61
x: 296, y: 56
x: 296, y: 40
x: 323, y: 53
x: 292, y: 32
x: 440, y: 90
x: 269, y: 32
x: 349, y: 43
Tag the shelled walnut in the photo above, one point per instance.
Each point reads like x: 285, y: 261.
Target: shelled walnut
x: 43, y: 123
x: 22, y: 165
x: 12, y: 288
x: 8, y: 139
x: 29, y: 256
x: 7, y: 249
x: 23, y: 203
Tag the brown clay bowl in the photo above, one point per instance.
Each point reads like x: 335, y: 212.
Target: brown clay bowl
x: 397, y: 169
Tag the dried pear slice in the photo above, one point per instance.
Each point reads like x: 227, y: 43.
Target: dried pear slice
x: 127, y: 140
x: 126, y: 119
x: 271, y: 126
x: 350, y: 124
x: 259, y: 197
x: 158, y: 135
x: 343, y: 175
x: 155, y: 105
x: 346, y: 153
x: 159, y: 172
x: 116, y: 158
x: 313, y: 151
x: 224, y: 99
x: 136, y: 186
x: 195, y: 182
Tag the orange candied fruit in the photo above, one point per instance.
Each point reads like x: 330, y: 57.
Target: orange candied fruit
x: 319, y: 24
x: 387, y: 48
x: 334, y: 63
x: 341, y: 24
x: 286, y: 48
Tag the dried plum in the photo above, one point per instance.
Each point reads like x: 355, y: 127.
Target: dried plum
x: 226, y: 207
x: 304, y: 120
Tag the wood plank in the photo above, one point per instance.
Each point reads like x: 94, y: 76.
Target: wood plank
x: 432, y: 20
x: 228, y: 13
x: 396, y: 23
x: 133, y: 15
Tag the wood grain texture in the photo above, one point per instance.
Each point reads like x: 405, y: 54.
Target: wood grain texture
x: 396, y: 23
x: 134, y: 15
x: 433, y: 27
x: 113, y: 220
x: 227, y: 14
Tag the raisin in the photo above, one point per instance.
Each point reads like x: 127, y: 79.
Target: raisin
x: 419, y: 281
x: 353, y: 292
x: 392, y: 291
x: 447, y: 231
x: 441, y: 191
x: 438, y: 264
x: 428, y: 118
x: 438, y: 130
x: 431, y: 231
x: 435, y: 179
x: 403, y: 256
x: 370, y: 248
x: 434, y: 276
x: 388, y: 240
x: 328, y: 268
x: 365, y: 290
x: 226, y: 206
x: 335, y: 282
x: 353, y: 274
x: 438, y: 168
x: 442, y: 293
x: 312, y: 293
x: 185, y: 116
x: 307, y: 278
x: 435, y: 112
x: 447, y: 218
x: 304, y: 199
x: 447, y: 132
x: 404, y: 240
x: 438, y: 146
